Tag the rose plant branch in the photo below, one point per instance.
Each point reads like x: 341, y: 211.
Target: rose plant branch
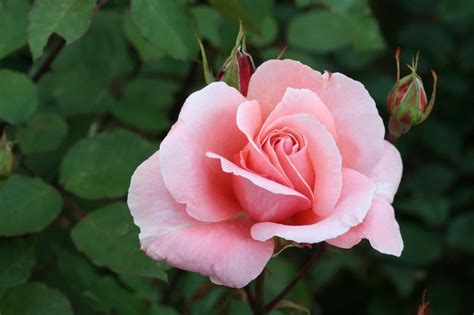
x: 260, y: 294
x: 314, y: 258
x: 250, y: 298
x: 39, y: 70
x: 58, y: 43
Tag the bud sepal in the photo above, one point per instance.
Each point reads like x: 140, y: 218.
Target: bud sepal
x: 7, y: 158
x: 407, y: 102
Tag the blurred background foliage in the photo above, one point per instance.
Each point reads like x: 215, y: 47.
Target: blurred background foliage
x: 119, y: 73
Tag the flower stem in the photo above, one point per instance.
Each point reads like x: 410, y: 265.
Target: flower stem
x: 250, y: 299
x: 314, y: 258
x: 260, y: 294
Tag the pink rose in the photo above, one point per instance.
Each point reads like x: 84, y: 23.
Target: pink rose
x: 302, y: 157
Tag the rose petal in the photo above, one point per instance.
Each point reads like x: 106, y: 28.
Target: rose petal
x: 356, y: 198
x: 298, y: 101
x: 249, y: 121
x: 206, y: 123
x: 263, y: 199
x: 224, y: 251
x: 360, y: 129
x: 379, y: 226
x: 324, y: 156
x: 293, y: 173
x: 153, y: 208
x: 271, y: 79
x: 387, y: 174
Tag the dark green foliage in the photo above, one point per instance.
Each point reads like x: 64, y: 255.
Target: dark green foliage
x: 89, y: 88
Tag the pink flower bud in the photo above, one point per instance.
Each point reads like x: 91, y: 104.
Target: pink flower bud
x: 407, y: 102
x: 7, y: 159
x: 237, y: 69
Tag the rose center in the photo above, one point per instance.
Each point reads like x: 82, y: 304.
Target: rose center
x: 288, y: 139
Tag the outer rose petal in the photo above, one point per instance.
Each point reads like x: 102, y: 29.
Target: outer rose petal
x: 262, y: 198
x: 359, y: 128
x: 206, y: 123
x: 224, y: 251
x: 356, y: 198
x: 388, y: 173
x: 379, y: 227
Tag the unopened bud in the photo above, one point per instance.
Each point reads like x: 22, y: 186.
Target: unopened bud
x: 423, y: 308
x: 407, y: 102
x: 7, y: 159
x: 237, y: 69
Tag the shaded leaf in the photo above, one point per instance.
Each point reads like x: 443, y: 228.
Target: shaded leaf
x: 34, y: 299
x: 461, y: 232
x: 17, y: 259
x: 18, y: 97
x: 145, y: 104
x: 421, y: 246
x: 13, y: 23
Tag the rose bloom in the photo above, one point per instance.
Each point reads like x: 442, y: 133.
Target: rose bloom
x: 302, y: 157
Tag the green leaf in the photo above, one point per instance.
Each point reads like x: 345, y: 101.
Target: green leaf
x: 146, y: 49
x: 13, y: 23
x: 34, y: 299
x: 236, y: 10
x: 82, y: 77
x: 43, y: 132
x: 101, y: 166
x: 109, y: 238
x: 114, y: 298
x: 27, y: 205
x: 422, y: 246
x: 268, y: 32
x: 366, y: 34
x: 18, y: 97
x: 403, y: 278
x: 17, y: 259
x: 331, y: 263
x: 461, y: 232
x: 319, y: 31
x: 167, y: 24
x: 433, y: 210
x: 208, y: 22
x: 145, y: 104
x: 68, y: 18
x: 280, y: 271
x: 431, y: 179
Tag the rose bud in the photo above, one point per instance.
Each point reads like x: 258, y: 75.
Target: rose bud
x: 407, y: 102
x: 423, y: 308
x: 7, y: 159
x: 237, y: 69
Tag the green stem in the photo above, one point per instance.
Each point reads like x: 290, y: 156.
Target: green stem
x: 260, y: 294
x: 295, y: 280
